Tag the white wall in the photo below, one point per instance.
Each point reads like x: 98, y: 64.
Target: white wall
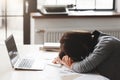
x: 78, y: 23
x: 67, y: 24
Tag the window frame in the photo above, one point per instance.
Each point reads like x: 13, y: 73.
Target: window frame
x: 77, y: 9
x: 95, y: 9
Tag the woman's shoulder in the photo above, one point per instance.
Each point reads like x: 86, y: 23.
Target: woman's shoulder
x: 107, y: 44
x: 108, y: 39
x: 105, y: 37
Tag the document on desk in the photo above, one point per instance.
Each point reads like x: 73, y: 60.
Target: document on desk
x: 53, y: 47
x: 68, y: 74
x: 65, y: 73
x: 55, y: 65
x: 80, y: 76
x: 91, y: 77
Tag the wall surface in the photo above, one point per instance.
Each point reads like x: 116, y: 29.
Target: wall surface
x: 78, y: 23
x: 40, y: 26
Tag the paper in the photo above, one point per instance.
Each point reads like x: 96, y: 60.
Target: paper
x: 70, y: 76
x: 91, y: 77
x: 51, y: 47
x: 55, y: 65
x: 64, y: 70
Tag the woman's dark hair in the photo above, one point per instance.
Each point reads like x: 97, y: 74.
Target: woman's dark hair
x: 77, y: 45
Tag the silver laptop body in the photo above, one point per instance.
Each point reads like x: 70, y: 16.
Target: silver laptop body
x: 21, y: 63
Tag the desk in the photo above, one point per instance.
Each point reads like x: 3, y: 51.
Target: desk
x: 49, y: 73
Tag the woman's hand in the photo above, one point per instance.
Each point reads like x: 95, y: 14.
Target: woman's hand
x: 67, y: 61
x: 57, y: 60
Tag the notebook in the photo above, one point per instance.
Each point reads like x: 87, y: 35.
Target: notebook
x: 21, y: 63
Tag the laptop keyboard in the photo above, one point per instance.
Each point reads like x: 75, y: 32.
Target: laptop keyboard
x: 26, y: 63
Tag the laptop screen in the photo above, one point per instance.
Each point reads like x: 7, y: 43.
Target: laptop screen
x: 11, y: 48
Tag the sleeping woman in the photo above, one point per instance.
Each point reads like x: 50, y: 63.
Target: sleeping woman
x: 85, y: 51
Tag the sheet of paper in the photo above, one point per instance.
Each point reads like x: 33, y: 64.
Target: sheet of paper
x: 70, y: 76
x: 91, y: 77
x: 55, y: 65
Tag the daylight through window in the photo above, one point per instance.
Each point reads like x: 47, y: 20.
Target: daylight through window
x: 81, y: 4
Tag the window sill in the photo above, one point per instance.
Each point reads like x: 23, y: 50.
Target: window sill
x: 79, y: 14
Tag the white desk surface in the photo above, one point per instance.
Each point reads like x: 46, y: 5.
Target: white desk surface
x: 49, y: 73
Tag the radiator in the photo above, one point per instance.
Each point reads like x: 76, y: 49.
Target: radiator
x: 54, y: 36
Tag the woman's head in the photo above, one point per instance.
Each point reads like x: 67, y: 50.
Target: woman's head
x: 76, y: 45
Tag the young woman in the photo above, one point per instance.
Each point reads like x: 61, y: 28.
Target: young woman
x: 101, y: 53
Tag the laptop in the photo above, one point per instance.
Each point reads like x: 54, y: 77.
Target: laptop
x: 19, y: 63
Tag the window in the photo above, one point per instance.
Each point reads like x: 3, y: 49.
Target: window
x: 81, y: 4
x: 11, y: 20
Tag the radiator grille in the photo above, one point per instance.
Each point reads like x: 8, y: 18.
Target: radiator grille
x: 54, y: 36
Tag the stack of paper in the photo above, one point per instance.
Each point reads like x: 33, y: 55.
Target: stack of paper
x: 51, y: 47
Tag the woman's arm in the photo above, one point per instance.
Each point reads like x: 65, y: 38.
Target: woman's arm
x: 101, y: 52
